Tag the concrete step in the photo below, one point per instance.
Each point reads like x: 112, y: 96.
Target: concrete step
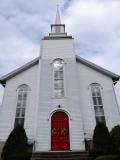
x: 68, y: 155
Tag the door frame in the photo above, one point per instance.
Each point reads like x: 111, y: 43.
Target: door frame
x: 70, y: 130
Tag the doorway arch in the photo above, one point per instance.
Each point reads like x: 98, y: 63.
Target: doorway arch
x: 60, y: 131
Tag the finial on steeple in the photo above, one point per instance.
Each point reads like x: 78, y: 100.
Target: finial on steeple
x: 57, y: 20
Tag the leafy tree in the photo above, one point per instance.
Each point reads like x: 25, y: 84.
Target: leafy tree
x: 16, y: 145
x: 115, y: 135
x: 101, y: 140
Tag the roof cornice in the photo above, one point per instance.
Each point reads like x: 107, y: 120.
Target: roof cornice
x: 62, y: 37
x: 114, y: 76
x: 6, y: 77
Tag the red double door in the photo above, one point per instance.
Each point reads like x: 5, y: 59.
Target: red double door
x: 60, y: 132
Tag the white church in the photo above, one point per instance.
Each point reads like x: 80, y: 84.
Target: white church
x: 58, y: 97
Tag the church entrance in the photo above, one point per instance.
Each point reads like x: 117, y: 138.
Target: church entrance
x: 60, y: 132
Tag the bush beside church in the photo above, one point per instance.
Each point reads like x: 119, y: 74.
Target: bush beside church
x: 106, y: 144
x: 16, y: 146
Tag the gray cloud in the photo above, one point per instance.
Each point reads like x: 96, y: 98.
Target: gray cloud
x: 95, y: 25
x: 22, y: 25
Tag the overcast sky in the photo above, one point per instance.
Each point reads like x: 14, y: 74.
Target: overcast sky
x: 95, y: 25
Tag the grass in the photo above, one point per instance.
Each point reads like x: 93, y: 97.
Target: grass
x: 108, y: 157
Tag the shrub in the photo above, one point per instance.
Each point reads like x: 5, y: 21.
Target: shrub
x: 16, y: 145
x: 18, y: 156
x: 115, y: 136
x: 101, y: 140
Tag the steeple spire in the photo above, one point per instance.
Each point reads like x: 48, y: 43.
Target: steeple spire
x: 57, y: 20
x: 58, y: 29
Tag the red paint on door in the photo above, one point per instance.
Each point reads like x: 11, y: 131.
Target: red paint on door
x: 60, y: 131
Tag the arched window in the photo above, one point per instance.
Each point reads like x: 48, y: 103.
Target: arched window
x: 97, y: 102
x: 58, y: 66
x: 22, y: 96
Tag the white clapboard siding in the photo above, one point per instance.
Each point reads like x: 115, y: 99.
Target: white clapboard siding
x: 8, y: 109
x: 87, y: 76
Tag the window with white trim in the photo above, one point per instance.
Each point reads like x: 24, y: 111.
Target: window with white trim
x: 58, y: 66
x: 22, y: 96
x: 97, y: 102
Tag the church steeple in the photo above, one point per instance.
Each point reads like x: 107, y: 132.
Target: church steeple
x: 57, y: 20
x: 57, y: 29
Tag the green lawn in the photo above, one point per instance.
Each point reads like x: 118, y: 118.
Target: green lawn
x: 109, y: 157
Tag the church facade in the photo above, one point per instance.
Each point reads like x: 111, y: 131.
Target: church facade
x: 58, y: 97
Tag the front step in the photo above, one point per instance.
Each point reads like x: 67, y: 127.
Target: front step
x: 68, y: 155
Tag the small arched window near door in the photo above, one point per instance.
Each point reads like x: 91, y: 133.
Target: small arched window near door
x: 58, y: 67
x: 22, y: 97
x: 98, y: 103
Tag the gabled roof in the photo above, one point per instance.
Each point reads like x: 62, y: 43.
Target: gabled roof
x: 114, y: 76
x: 8, y: 76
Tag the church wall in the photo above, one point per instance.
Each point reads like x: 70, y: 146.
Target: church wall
x: 48, y: 104
x: 87, y: 76
x: 51, y: 49
x: 41, y: 103
x: 8, y: 109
